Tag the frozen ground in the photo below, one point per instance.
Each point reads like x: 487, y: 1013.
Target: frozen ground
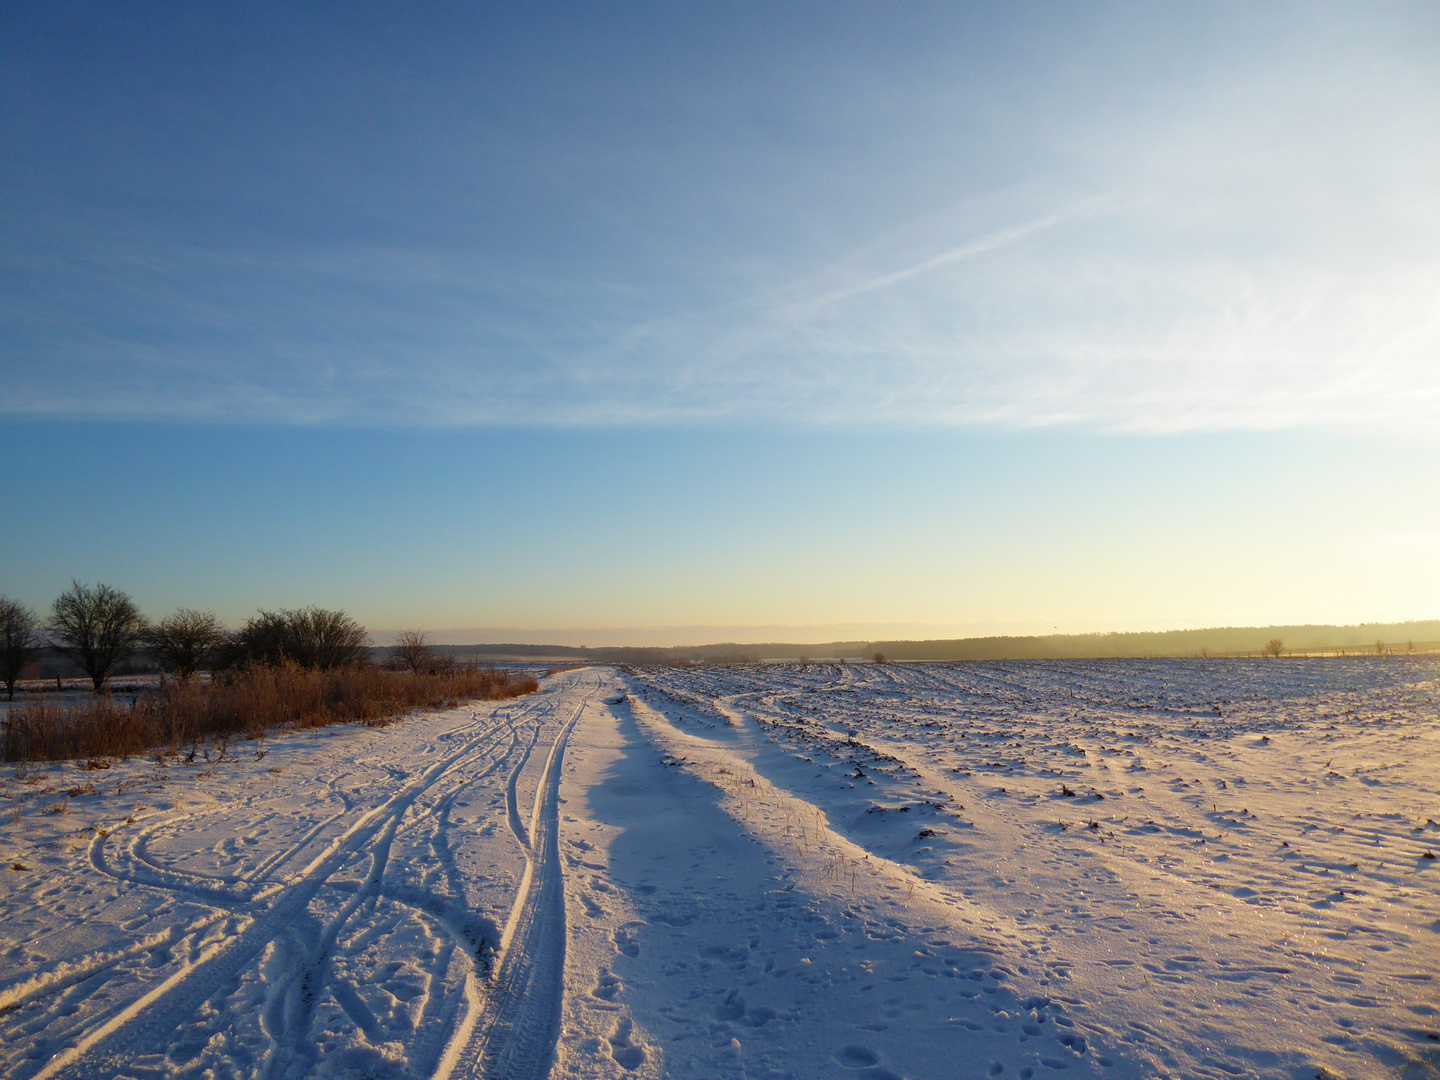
x: 1116, y: 869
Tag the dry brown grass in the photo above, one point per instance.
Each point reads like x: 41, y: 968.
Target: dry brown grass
x: 246, y: 703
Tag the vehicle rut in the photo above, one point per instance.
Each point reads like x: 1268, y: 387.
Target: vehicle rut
x: 515, y: 1037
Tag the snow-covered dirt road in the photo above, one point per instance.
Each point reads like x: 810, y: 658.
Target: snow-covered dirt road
x: 348, y: 902
x: 1209, y: 869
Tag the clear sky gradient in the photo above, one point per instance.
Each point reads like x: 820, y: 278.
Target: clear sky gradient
x: 675, y: 323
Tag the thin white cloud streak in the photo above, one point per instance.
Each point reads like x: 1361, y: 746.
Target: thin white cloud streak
x: 993, y: 242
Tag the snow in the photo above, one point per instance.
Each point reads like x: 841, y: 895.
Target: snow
x: 1116, y: 869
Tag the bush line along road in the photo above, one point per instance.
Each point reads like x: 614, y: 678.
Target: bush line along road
x: 301, y: 668
x: 98, y: 626
x: 1116, y: 869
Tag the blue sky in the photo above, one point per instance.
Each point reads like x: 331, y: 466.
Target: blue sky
x: 670, y: 322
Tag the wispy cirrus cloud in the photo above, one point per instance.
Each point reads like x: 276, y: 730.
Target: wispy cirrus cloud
x: 1045, y: 322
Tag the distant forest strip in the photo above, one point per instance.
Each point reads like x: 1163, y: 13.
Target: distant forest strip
x: 1384, y: 638
x: 1363, y: 638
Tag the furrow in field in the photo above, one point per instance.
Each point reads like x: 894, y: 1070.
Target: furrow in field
x: 1223, y: 863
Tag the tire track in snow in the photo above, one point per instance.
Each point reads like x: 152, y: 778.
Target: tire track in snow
x: 311, y: 974
x: 515, y: 1039
x: 240, y: 905
x: 512, y: 799
x: 144, y: 1025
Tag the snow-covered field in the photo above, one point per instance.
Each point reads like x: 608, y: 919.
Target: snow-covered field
x: 1119, y: 869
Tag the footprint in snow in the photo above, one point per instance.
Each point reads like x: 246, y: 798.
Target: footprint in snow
x: 732, y: 1008
x: 857, y: 1057
x: 607, y: 987
x: 864, y: 1061
x: 626, y: 1055
x: 624, y: 944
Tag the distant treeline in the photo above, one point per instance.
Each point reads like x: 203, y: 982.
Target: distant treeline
x: 1369, y: 638
x: 1215, y: 641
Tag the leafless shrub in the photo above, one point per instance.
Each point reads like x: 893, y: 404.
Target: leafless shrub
x: 262, y: 640
x: 326, y: 639
x: 1274, y: 647
x: 413, y: 651
x: 186, y: 641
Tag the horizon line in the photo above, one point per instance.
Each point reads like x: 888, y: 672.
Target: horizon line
x: 595, y: 638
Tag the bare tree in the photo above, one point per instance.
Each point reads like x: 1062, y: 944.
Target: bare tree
x: 312, y: 637
x: 1273, y: 647
x: 186, y: 641
x: 96, y: 627
x: 412, y: 649
x: 19, y: 641
x: 879, y: 658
